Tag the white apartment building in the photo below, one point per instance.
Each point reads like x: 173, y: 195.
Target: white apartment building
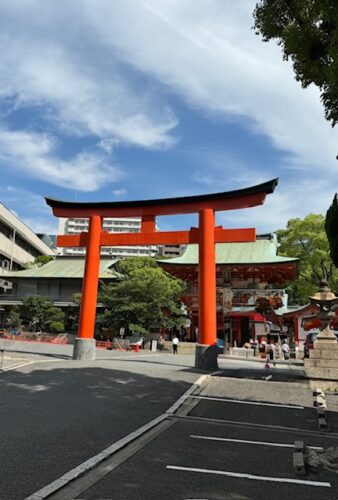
x: 112, y: 225
x: 172, y: 250
x: 19, y: 245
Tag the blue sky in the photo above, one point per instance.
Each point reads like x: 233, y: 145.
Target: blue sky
x: 132, y: 99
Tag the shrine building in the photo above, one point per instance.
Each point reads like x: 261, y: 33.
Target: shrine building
x: 250, y: 277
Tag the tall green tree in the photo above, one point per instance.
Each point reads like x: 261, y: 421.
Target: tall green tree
x: 306, y: 239
x: 40, y: 311
x: 39, y: 261
x: 307, y: 31
x: 331, y: 228
x: 143, y: 297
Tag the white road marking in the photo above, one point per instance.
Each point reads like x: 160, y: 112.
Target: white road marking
x: 263, y: 443
x: 188, y: 393
x: 14, y: 367
x: 251, y: 476
x: 107, y: 452
x: 244, y: 402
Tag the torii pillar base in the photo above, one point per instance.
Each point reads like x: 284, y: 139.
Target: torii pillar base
x: 84, y: 349
x: 206, y: 357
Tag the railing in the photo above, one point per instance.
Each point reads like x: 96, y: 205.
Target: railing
x: 61, y: 338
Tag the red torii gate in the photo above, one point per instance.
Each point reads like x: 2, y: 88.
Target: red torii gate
x: 206, y: 235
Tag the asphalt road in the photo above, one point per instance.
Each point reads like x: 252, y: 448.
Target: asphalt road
x: 57, y: 414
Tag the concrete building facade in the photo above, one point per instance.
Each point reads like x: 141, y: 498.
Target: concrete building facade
x: 19, y: 245
x: 112, y: 225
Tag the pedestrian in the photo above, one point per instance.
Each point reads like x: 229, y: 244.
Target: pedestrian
x: 270, y: 352
x: 175, y: 343
x: 161, y: 343
x: 286, y: 350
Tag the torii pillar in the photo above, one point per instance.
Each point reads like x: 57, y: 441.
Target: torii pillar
x: 84, y: 347
x: 206, y: 235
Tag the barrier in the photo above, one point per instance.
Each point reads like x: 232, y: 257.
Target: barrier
x: 41, y: 339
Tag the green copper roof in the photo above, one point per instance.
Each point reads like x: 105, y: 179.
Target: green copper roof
x: 63, y: 268
x: 259, y: 252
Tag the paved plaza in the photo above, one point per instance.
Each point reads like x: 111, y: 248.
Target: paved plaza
x: 58, y: 413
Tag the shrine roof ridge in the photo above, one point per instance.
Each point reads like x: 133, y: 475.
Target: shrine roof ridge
x: 264, y: 188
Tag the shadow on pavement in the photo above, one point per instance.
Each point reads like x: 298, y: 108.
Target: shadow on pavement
x: 259, y: 374
x: 53, y: 419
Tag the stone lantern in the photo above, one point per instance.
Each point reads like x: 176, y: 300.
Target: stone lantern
x: 322, y: 365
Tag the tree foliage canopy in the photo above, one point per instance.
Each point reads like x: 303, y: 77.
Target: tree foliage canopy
x: 331, y: 228
x: 39, y: 261
x: 306, y: 239
x: 40, y: 311
x: 307, y: 31
x: 144, y: 296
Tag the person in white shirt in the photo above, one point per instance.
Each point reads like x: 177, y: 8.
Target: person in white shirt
x: 175, y: 343
x: 286, y: 350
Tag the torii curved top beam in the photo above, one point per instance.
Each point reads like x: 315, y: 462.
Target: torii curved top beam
x: 228, y: 200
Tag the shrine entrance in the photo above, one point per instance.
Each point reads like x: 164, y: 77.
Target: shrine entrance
x: 206, y: 235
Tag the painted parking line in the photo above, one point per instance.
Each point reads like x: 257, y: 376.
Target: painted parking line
x: 14, y: 367
x: 253, y: 477
x: 263, y: 443
x: 245, y: 402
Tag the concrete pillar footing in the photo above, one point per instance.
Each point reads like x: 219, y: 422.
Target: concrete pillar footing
x: 206, y: 357
x: 84, y: 348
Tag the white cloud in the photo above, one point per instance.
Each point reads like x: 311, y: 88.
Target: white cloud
x: 82, y: 65
x: 42, y: 225
x: 108, y: 145
x: 207, y: 52
x: 50, y: 56
x: 119, y: 192
x: 35, y: 155
x: 290, y: 200
x: 40, y: 218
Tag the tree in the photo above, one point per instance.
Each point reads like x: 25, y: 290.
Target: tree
x: 307, y: 31
x: 143, y: 297
x: 72, y: 315
x: 331, y: 228
x: 13, y: 319
x: 306, y: 239
x: 39, y: 261
x: 40, y: 312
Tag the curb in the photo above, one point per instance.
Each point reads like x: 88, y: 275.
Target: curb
x: 299, y: 363
x: 321, y: 405
x: 92, y: 462
x: 298, y: 459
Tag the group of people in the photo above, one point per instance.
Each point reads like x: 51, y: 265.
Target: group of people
x: 174, y: 341
x: 269, y: 349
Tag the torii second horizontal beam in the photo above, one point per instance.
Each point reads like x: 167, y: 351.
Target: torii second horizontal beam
x: 158, y: 238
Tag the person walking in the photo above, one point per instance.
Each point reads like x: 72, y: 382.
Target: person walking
x: 270, y: 354
x: 286, y: 350
x: 175, y: 343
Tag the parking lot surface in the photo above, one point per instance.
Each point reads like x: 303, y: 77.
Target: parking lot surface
x: 227, y: 448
